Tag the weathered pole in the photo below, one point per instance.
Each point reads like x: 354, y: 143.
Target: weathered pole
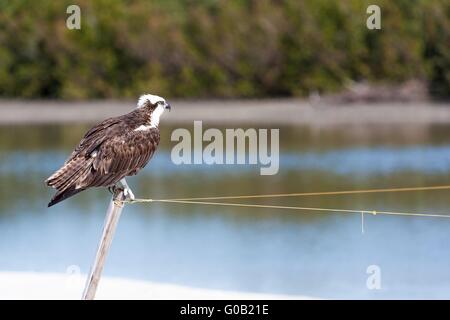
x: 112, y: 217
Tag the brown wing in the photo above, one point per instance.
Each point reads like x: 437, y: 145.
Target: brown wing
x: 80, y: 160
x: 121, y: 156
x: 97, y: 135
x: 108, y: 152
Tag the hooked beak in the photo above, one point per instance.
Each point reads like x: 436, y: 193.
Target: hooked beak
x: 167, y: 106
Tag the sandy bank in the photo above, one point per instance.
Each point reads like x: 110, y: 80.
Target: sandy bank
x: 276, y: 112
x: 29, y: 285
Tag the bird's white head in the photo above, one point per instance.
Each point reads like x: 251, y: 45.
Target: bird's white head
x: 157, y: 105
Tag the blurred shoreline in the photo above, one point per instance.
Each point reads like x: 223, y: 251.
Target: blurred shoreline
x: 314, y: 112
x: 60, y: 286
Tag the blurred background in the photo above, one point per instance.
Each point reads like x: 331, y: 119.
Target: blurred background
x: 356, y: 109
x: 211, y: 48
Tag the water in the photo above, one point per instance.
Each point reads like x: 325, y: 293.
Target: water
x: 260, y: 250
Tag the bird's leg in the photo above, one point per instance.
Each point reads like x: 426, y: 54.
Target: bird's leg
x: 115, y: 189
x: 126, y: 190
x: 112, y: 189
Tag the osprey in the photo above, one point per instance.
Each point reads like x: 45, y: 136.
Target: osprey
x: 110, y: 151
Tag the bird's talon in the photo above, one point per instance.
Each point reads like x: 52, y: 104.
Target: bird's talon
x: 129, y: 195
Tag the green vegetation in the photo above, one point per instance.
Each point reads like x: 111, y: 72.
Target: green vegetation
x: 212, y: 48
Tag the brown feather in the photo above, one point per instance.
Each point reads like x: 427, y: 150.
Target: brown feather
x: 107, y: 153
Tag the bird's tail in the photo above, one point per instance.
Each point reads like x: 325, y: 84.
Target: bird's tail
x: 64, y: 194
x: 65, y: 179
x: 68, y: 173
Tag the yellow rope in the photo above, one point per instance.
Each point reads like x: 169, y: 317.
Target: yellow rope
x: 317, y: 193
x: 374, y: 212
x: 327, y: 210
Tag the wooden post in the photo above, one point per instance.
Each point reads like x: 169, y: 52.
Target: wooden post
x: 112, y: 217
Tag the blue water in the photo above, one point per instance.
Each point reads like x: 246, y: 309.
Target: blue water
x: 260, y: 250
x: 359, y: 160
